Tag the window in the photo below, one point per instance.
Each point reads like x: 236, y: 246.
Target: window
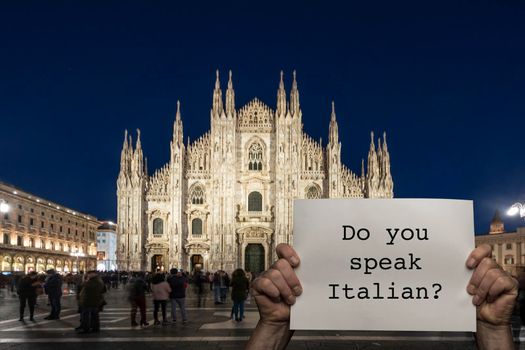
x: 255, y: 156
x: 509, y: 259
x: 6, y: 216
x: 158, y: 226
x: 32, y: 210
x: 196, y: 227
x: 19, y: 206
x: 6, y: 239
x: 19, y: 219
x: 197, y: 195
x: 68, y: 230
x: 19, y: 241
x: 43, y: 214
x: 60, y: 229
x: 509, y: 246
x: 52, y: 227
x: 31, y: 242
x: 255, y: 201
x: 31, y: 221
x: 313, y: 192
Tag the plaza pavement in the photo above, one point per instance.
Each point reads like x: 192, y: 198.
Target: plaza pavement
x: 209, y: 327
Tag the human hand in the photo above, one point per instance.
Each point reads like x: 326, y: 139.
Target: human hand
x: 494, y: 291
x: 277, y: 288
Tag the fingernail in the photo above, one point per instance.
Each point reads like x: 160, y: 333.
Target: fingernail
x: 475, y: 300
x: 471, y: 262
x: 294, y: 261
x: 291, y: 299
x: 297, y: 290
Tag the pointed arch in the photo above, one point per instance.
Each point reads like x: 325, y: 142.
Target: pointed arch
x: 197, y: 194
x: 313, y: 191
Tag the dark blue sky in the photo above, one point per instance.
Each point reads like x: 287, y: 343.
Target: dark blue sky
x: 446, y: 81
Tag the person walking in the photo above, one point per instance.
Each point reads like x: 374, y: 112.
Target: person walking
x: 53, y: 289
x: 137, y: 299
x: 240, y: 286
x: 27, y: 293
x: 161, y: 293
x: 91, y: 299
x: 178, y: 283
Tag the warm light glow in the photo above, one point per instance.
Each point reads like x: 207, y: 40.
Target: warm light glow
x: 515, y: 209
x: 4, y: 207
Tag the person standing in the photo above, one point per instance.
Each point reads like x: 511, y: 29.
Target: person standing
x: 27, y: 292
x: 178, y: 283
x: 91, y: 300
x: 161, y: 292
x: 240, y: 286
x: 53, y: 289
x: 137, y: 299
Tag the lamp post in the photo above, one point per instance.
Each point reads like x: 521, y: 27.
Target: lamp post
x: 78, y: 254
x: 517, y: 208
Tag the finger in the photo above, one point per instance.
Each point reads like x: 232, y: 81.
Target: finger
x: 264, y: 286
x: 289, y: 275
x: 486, y: 283
x: 284, y: 290
x: 503, y: 284
x: 477, y: 255
x: 480, y: 271
x: 285, y: 251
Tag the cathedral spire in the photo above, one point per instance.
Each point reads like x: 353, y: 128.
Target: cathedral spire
x: 333, y: 137
x: 139, y: 144
x: 124, y: 155
x: 294, y: 97
x: 362, y: 167
x: 281, y: 97
x: 177, y: 127
x: 217, y: 107
x: 139, y: 154
x: 388, y: 183
x: 230, y: 97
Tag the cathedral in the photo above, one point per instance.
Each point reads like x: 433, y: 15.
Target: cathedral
x: 226, y: 199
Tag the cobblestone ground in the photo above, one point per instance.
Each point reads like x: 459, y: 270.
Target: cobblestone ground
x: 210, y: 327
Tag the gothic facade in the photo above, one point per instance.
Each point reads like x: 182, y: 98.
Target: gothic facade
x: 225, y: 200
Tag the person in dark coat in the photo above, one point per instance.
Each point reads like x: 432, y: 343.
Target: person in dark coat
x: 27, y: 292
x: 240, y: 286
x: 178, y: 283
x: 91, y: 299
x: 53, y: 289
x: 137, y: 298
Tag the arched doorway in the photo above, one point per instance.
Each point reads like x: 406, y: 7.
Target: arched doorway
x: 196, y: 262
x: 157, y: 263
x: 254, y: 258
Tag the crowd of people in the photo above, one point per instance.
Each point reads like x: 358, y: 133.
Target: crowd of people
x: 91, y: 287
x: 494, y: 293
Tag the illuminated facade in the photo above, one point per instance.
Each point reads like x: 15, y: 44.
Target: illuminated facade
x: 508, y: 248
x: 38, y: 234
x: 225, y: 200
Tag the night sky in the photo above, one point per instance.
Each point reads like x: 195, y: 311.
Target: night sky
x: 447, y: 83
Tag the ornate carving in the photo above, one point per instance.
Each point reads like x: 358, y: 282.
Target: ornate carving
x: 256, y: 117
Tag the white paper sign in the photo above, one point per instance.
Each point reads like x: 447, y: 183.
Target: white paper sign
x: 384, y: 264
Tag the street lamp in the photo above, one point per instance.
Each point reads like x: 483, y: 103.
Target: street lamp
x: 77, y: 254
x: 515, y: 209
x: 4, y: 207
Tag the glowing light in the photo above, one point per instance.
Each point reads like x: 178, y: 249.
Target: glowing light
x: 517, y: 208
x: 4, y: 207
